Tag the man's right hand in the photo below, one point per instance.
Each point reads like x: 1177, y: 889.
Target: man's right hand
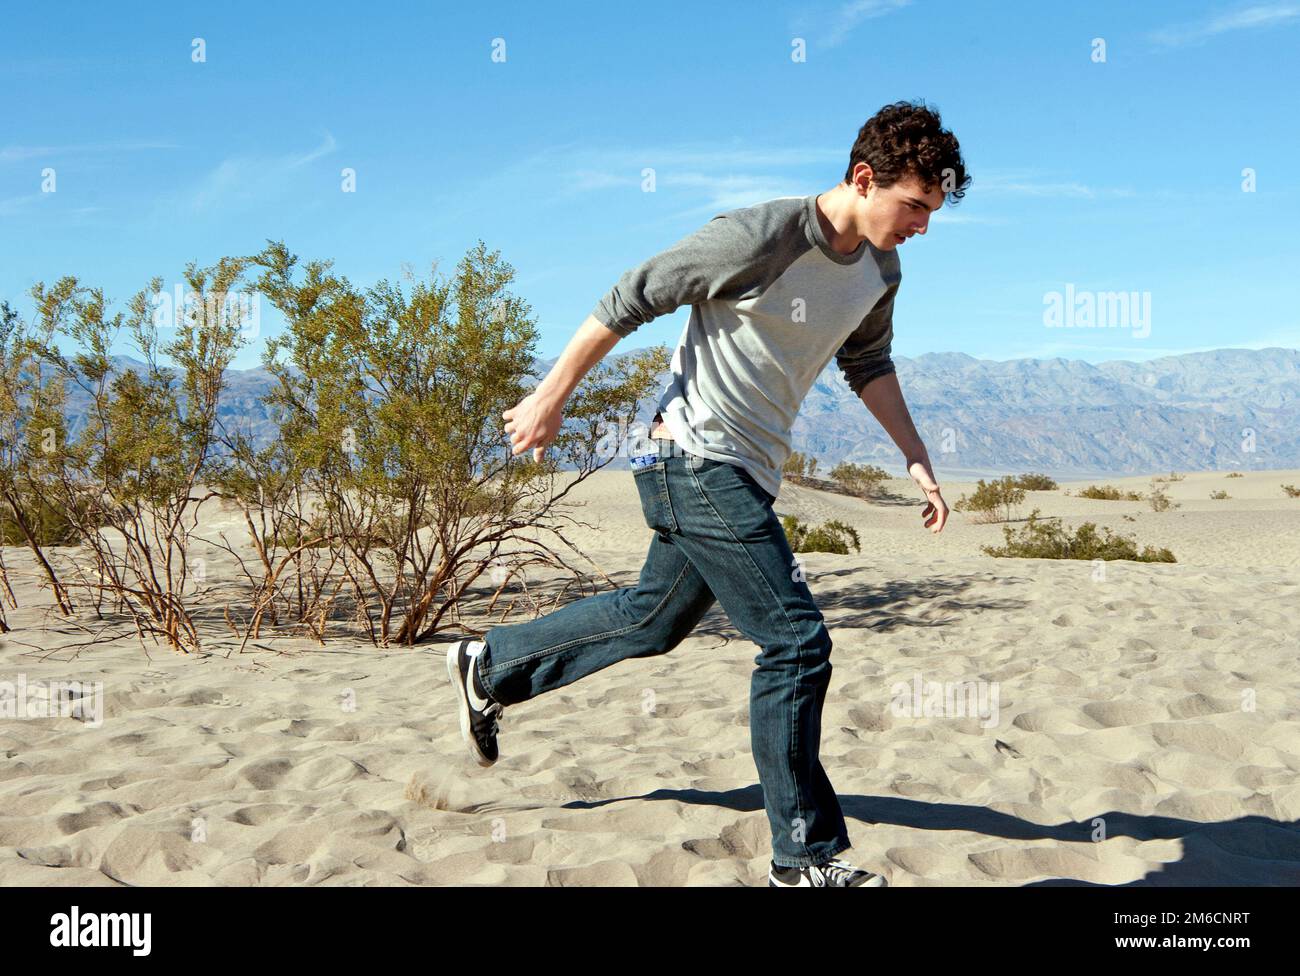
x: 533, y: 422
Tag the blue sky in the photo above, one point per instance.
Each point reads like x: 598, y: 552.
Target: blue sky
x: 1115, y: 175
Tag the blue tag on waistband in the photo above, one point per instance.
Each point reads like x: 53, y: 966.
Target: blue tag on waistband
x: 644, y: 461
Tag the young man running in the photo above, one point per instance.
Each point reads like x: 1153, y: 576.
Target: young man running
x: 776, y: 290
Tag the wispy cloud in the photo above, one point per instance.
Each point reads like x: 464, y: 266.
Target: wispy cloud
x: 16, y: 206
x: 713, y: 179
x: 1255, y: 17
x: 1026, y: 184
x: 627, y: 164
x: 12, y: 206
x: 14, y: 154
x: 249, y: 178
x: 729, y: 191
x: 946, y: 216
x: 845, y: 20
x: 718, y: 177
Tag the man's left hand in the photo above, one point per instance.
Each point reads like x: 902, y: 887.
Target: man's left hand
x: 936, y: 511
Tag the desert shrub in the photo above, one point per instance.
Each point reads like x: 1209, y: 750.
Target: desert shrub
x: 1160, y: 502
x: 1292, y: 491
x: 799, y: 465
x: 992, y: 502
x: 49, y: 525
x: 1036, y: 482
x: 148, y: 442
x: 831, y: 537
x: 1235, y: 474
x: 313, y: 533
x: 1219, y: 494
x: 1048, y: 539
x: 390, y: 403
x: 1110, y: 493
x: 858, y: 479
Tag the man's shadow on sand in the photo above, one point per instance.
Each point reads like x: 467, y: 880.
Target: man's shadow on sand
x: 1250, y: 850
x: 1253, y: 850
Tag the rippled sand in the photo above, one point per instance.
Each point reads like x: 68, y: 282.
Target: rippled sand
x: 1146, y: 730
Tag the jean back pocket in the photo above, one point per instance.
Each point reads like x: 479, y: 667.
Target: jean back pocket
x: 652, y: 485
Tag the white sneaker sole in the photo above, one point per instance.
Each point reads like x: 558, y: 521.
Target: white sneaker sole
x: 462, y: 702
x: 876, y: 881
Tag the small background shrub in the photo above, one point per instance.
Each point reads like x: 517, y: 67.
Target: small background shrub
x: 1048, y: 539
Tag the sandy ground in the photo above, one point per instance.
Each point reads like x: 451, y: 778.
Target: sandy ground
x: 1144, y: 725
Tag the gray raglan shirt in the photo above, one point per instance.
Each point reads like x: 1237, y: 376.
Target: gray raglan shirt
x: 771, y: 302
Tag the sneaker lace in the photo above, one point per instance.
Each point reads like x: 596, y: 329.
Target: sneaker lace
x: 834, y: 870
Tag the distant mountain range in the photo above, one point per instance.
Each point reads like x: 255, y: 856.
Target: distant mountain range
x: 1224, y: 409
x: 1236, y: 409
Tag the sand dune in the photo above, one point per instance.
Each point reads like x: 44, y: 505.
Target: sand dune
x: 1146, y: 731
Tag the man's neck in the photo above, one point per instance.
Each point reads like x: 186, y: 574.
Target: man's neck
x: 837, y: 220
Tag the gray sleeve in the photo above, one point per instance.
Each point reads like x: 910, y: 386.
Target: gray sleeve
x: 865, y: 354
x: 722, y: 259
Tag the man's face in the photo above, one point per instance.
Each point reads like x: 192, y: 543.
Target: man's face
x: 888, y: 216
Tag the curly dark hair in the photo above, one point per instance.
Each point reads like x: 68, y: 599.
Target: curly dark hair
x: 907, y: 139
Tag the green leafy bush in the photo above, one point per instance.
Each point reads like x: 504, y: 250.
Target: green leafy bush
x: 50, y: 526
x: 1048, y: 539
x: 1110, y: 493
x: 831, y: 537
x: 1036, y: 482
x: 992, y: 502
x: 799, y: 465
x: 858, y: 479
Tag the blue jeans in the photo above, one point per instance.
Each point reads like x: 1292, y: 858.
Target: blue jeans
x: 716, y: 537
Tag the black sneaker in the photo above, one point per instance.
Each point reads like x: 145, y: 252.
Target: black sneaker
x: 835, y: 873
x: 478, y: 715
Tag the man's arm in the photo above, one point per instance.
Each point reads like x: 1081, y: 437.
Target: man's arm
x: 700, y: 266
x: 884, y: 398
x: 869, y: 371
x: 865, y: 354
x: 535, y: 421
x: 724, y: 257
x: 589, y: 345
